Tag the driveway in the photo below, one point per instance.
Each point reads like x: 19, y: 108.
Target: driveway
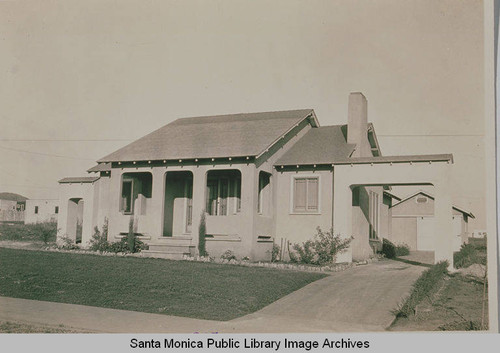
x: 358, y: 299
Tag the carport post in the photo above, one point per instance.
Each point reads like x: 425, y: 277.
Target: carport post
x: 443, y: 237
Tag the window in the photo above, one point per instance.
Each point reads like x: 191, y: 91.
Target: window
x: 36, y: 209
x: 374, y: 211
x: 305, y: 195
x: 421, y: 199
x: 127, y: 188
x: 56, y: 210
x: 223, y: 193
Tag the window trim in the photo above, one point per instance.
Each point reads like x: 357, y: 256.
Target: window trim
x: 292, y: 193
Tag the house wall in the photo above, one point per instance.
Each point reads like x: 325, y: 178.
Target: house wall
x: 298, y: 228
x: 46, y: 211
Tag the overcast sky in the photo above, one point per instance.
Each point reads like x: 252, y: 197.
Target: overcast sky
x: 80, y: 79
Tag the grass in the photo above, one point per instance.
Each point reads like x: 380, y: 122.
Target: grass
x: 44, y: 231
x: 469, y: 254
x: 424, y: 287
x: 182, y: 288
x: 456, y: 306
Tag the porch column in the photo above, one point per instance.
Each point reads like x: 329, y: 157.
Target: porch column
x: 155, y: 209
x: 443, y: 237
x: 342, y: 208
x: 199, y: 185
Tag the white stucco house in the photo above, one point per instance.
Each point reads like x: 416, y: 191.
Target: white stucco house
x: 41, y: 210
x: 255, y: 177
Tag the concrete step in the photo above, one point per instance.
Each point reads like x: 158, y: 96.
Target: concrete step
x: 163, y: 254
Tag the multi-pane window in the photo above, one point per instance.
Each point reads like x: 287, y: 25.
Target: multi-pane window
x: 56, y: 210
x: 306, y: 194
x: 223, y: 192
x: 36, y: 209
x: 374, y: 211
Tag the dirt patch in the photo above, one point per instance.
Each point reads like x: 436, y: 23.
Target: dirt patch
x: 17, y: 327
x: 457, y: 306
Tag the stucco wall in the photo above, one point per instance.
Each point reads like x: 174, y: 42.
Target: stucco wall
x: 298, y: 228
x: 46, y: 211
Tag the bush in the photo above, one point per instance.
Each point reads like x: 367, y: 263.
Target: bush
x: 402, y: 250
x: 388, y: 249
x: 202, y: 229
x: 322, y: 249
x: 228, y: 255
x: 65, y: 243
x: 99, y: 241
x: 425, y: 286
x: 275, y: 253
x: 469, y: 254
x: 43, y: 231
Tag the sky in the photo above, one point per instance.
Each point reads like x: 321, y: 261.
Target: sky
x: 80, y: 79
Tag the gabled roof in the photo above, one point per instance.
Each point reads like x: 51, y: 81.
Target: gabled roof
x: 320, y: 145
x: 469, y: 214
x: 235, y: 135
x: 78, y: 180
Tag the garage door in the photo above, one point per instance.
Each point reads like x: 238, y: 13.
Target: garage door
x: 425, y: 233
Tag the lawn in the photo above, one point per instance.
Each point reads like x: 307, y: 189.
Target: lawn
x: 182, y: 288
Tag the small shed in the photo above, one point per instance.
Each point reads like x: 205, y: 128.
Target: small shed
x: 412, y: 223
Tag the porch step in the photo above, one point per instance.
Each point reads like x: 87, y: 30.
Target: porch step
x: 163, y: 254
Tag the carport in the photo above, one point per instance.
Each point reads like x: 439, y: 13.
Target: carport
x: 432, y: 170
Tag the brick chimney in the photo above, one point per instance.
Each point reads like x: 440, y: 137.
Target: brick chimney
x: 357, y: 124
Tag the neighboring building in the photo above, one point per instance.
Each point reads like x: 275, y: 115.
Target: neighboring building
x: 12, y: 207
x: 43, y: 210
x: 252, y: 178
x: 413, y: 223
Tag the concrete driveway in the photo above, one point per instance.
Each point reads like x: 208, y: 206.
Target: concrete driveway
x: 358, y: 299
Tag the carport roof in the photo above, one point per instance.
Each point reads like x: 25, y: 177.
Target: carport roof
x: 78, y: 180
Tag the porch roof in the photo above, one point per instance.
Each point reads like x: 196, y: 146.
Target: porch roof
x: 101, y: 167
x: 235, y: 135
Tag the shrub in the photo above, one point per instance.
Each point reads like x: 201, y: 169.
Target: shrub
x: 228, y: 255
x: 99, y: 241
x: 469, y: 254
x: 388, y: 249
x: 131, y: 235
x: 202, y: 229
x: 66, y: 243
x: 275, y: 253
x: 425, y: 286
x: 402, y: 250
x: 322, y: 249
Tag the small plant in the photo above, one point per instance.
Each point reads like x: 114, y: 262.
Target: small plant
x: 275, y: 252
x: 388, y: 249
x: 228, y: 256
x: 66, y: 243
x: 322, y: 249
x: 99, y: 241
x: 402, y: 249
x: 245, y: 258
x: 202, y: 230
x: 131, y: 235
